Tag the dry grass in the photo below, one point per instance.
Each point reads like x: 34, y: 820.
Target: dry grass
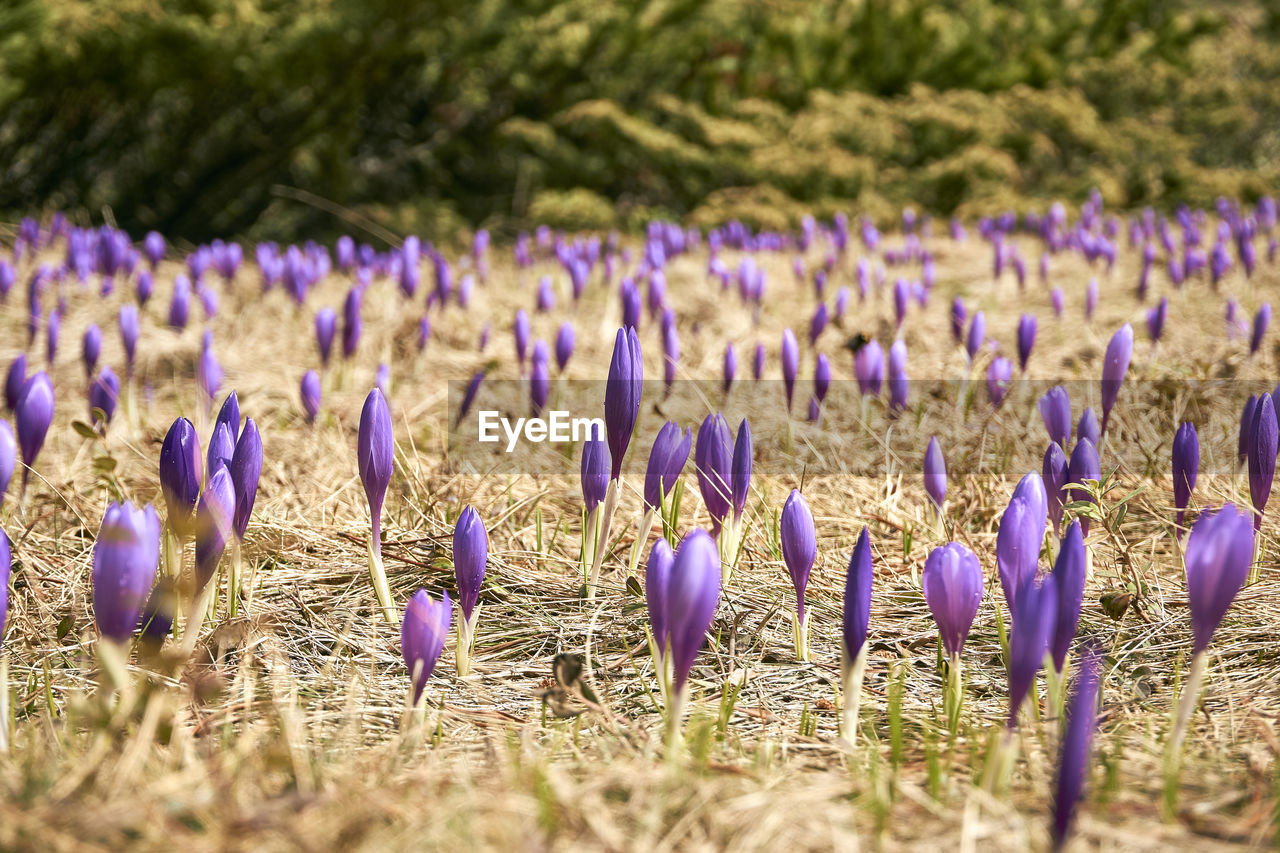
x: 286, y: 733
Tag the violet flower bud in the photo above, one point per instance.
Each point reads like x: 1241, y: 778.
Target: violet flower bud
x: 595, y: 470
x: 1084, y: 465
x: 326, y: 326
x: 952, y: 583
x: 470, y: 555
x: 1088, y: 428
x: 125, y: 558
x: 1069, y: 575
x: 8, y: 458
x: 757, y: 364
x: 1026, y: 339
x: 958, y: 317
x: 1034, y: 616
x: 221, y: 448
x: 1261, y: 453
x: 1114, y: 367
x: 246, y: 470
x: 129, y: 335
x: 565, y: 339
x: 741, y: 469
x: 229, y: 414
x: 713, y: 460
x: 977, y: 335
x: 1055, y: 411
x: 375, y: 448
x: 730, y: 366
x: 1077, y: 741
x: 310, y: 392
x: 91, y: 348
x: 857, y: 597
x: 935, y: 473
x: 899, y: 384
x: 422, y: 635
x: 1246, y: 426
x: 999, y: 379
x: 180, y: 474
x: 799, y: 544
x: 693, y: 593
x: 1260, y: 322
x: 622, y: 396
x: 521, y: 332
x: 1186, y: 466
x: 868, y: 367
x: 1218, y: 556
x: 352, y: 323
x: 657, y: 577
x: 666, y: 462
x: 104, y: 392
x: 15, y: 381
x: 215, y: 516
x: 790, y: 364
x: 33, y: 415
x: 1054, y: 473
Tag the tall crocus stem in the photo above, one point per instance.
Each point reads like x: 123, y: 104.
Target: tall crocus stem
x: 466, y: 640
x: 800, y: 631
x: 955, y: 695
x: 642, y: 540
x: 678, y: 697
x: 851, y: 673
x: 1186, y: 707
x: 602, y: 539
x: 112, y: 656
x: 378, y: 575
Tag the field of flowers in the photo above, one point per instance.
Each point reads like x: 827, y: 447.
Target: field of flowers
x: 908, y: 535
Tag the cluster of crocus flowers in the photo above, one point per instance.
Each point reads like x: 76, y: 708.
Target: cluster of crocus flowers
x: 470, y: 558
x: 799, y: 550
x: 723, y: 466
x: 375, y: 455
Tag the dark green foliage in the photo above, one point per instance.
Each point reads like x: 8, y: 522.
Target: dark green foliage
x: 189, y: 115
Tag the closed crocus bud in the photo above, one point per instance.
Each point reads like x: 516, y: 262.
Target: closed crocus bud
x: 104, y: 392
x: 470, y: 555
x: 246, y: 470
x: 1246, y: 427
x: 221, y: 448
x: 180, y: 304
x: 8, y: 458
x: 740, y: 482
x: 33, y: 416
x: 125, y: 558
x: 565, y: 339
x: 713, y: 459
x: 326, y: 327
x: 1186, y: 466
x: 1077, y: 742
x: 539, y: 386
x: 622, y: 396
x: 1156, y: 318
x: 91, y: 348
x: 1026, y: 339
x: 977, y: 334
x: 520, y: 332
x: 180, y: 475
x: 958, y: 316
x: 901, y: 295
x: 1057, y: 301
x: 857, y: 598
x: 952, y: 582
x: 1218, y: 556
x: 790, y: 364
x: 153, y: 247
x: 229, y: 414
x: 1054, y: 472
x: 1069, y: 575
x: 1033, y: 625
x: 352, y: 323
x: 693, y: 593
x: 657, y: 577
x: 818, y: 323
x: 6, y: 567
x: 1261, y: 452
x: 868, y: 367
x: 1084, y: 465
x: 799, y: 545
x: 757, y: 363
x: 1114, y: 367
x: 999, y: 378
x: 546, y: 296
x: 666, y: 462
x: 935, y: 473
x: 1090, y: 298
x: 422, y: 635
x: 899, y: 383
x: 310, y: 392
x: 15, y: 381
x: 821, y: 378
x: 1018, y: 548
x: 1260, y: 322
x: 1088, y: 428
x: 215, y: 515
x: 730, y: 366
x: 129, y: 335
x: 1055, y: 411
x: 595, y: 470
x: 52, y: 332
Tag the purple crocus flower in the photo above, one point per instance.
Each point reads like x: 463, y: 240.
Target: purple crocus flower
x: 375, y: 449
x: 730, y: 366
x: 91, y: 348
x: 713, y: 460
x: 693, y: 593
x: 1057, y: 301
x: 520, y: 332
x: 868, y: 367
x: 1069, y: 575
x: 622, y: 395
x: 221, y: 448
x: 246, y: 470
x: 977, y: 335
x: 671, y: 356
x: 352, y: 322
x: 180, y: 474
x: 180, y: 304
x: 310, y: 392
x: 1186, y: 466
x: 1156, y: 318
x: 104, y: 392
x: 1114, y: 367
x: 999, y: 378
x: 326, y: 326
x: 215, y: 516
x: 899, y: 384
x: 740, y: 478
x: 595, y: 470
x: 470, y: 555
x: 229, y: 414
x: 1034, y: 615
x: 209, y: 371
x: 818, y: 323
x: 857, y: 598
x: 1055, y: 411
x: 469, y: 395
x: 565, y: 339
x: 539, y: 386
x: 125, y: 558
x: 422, y: 635
x: 51, y: 335
x: 666, y: 462
x: 1090, y: 298
x: 1246, y: 426
x: 1260, y: 322
x: 935, y: 473
x: 1054, y: 472
x: 1018, y: 547
x: 129, y: 335
x: 15, y: 381
x: 821, y: 378
x: 1077, y: 741
x: 657, y: 577
x: 1261, y: 452
x: 958, y: 316
x: 952, y: 582
x: 1087, y: 427
x: 33, y: 415
x: 757, y: 363
x: 153, y: 247
x: 1026, y: 339
x: 1218, y: 557
x: 8, y: 458
x: 790, y: 364
x: 900, y: 298
x: 6, y: 569
x: 799, y: 545
x: 1084, y: 465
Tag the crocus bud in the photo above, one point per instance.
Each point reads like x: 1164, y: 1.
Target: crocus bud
x: 868, y: 367
x: 730, y: 366
x: 821, y: 378
x: 818, y: 323
x: 857, y: 597
x: 935, y: 473
x: 221, y: 448
x: 104, y: 392
x: 1218, y: 557
x: 952, y: 582
x: 33, y: 416
x: 900, y: 299
x: 229, y: 414
x: 595, y: 470
x: 1057, y: 301
x: 1260, y: 322
x: 1034, y: 616
x: 1114, y: 367
x: 311, y: 394
x: 470, y: 554
x: 666, y: 461
x: 52, y: 332
x: 1069, y: 575
x: 352, y: 323
x: 958, y: 316
x: 6, y: 568
x: 1055, y: 411
x: 999, y: 378
x: 799, y: 544
x: 1246, y: 426
x: 1026, y: 339
x: 899, y: 384
x: 1088, y: 428
x: 657, y: 577
x: 977, y: 334
x: 8, y: 458
x: 246, y: 470
x: 15, y: 381
x: 1186, y: 466
x: 520, y: 332
x: 1054, y: 473
x: 1156, y: 318
x: 1018, y: 547
x: 1261, y: 453
x: 1077, y: 741
x: 622, y: 396
x: 1090, y: 298
x: 209, y: 371
x: 790, y: 364
x: 180, y: 304
x: 757, y: 363
x: 693, y: 593
x: 740, y: 482
x: 125, y: 559
x: 91, y: 348
x: 712, y: 458
x: 326, y: 326
x: 375, y: 446
x: 1084, y: 465
x: 422, y: 635
x: 565, y: 338
x: 180, y: 474
x: 215, y: 516
x: 129, y: 335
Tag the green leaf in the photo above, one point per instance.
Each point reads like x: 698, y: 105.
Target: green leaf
x: 84, y: 430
